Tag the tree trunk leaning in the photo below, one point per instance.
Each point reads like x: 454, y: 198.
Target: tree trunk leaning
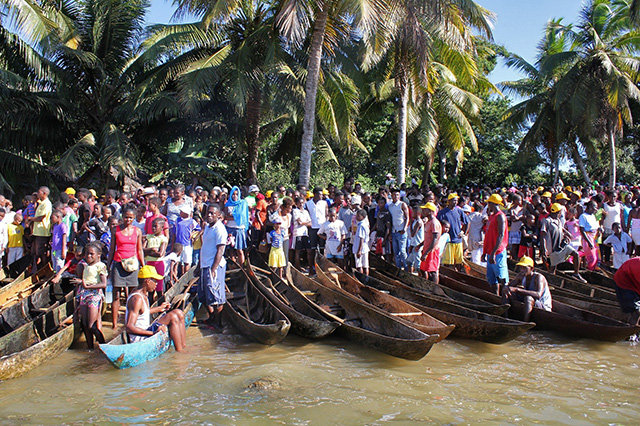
x: 254, y: 104
x: 402, y: 132
x: 311, y: 90
x: 614, y: 162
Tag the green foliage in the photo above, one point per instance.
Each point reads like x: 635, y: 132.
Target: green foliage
x: 272, y: 174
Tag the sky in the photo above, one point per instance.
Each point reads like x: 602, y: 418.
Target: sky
x: 519, y: 26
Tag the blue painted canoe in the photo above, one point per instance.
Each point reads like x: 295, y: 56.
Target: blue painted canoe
x: 125, y: 355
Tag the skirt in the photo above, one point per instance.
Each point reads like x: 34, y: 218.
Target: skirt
x: 122, y: 278
x: 238, y: 238
x: 277, y: 258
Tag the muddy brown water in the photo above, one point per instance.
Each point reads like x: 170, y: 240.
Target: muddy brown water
x: 226, y: 379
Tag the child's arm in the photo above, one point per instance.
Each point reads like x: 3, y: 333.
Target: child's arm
x: 64, y: 246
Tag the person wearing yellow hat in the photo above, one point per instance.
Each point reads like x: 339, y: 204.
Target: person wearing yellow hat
x: 138, y: 315
x: 495, y: 245
x: 555, y: 242
x: 458, y: 221
x: 534, y: 291
x: 70, y: 191
x: 430, y: 257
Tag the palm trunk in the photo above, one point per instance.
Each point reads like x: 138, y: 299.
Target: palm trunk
x: 311, y: 90
x: 580, y: 163
x: 443, y: 163
x: 254, y: 104
x: 426, y: 174
x: 402, y: 131
x: 556, y: 173
x: 614, y: 162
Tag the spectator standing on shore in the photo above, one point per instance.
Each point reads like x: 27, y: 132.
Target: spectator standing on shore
x: 457, y: 220
x: 41, y: 228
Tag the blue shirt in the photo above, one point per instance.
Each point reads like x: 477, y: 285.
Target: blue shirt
x: 184, y: 229
x: 457, y: 219
x: 276, y: 238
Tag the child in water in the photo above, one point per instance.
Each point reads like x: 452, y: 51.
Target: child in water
x: 94, y: 279
x: 277, y: 261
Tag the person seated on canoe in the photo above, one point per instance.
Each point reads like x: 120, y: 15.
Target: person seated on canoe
x: 627, y: 279
x: 138, y: 316
x: 534, y: 291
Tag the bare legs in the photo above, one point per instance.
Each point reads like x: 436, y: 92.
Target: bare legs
x: 174, y: 320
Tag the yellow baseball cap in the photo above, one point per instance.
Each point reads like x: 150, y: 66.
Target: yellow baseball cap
x: 429, y: 206
x: 577, y: 193
x: 568, y: 188
x: 268, y: 193
x: 546, y: 194
x: 70, y: 191
x: 540, y: 189
x: 148, y: 271
x: 562, y: 196
x: 495, y: 199
x: 452, y: 196
x: 309, y: 194
x: 526, y: 261
x: 555, y: 207
x: 94, y: 193
x: 325, y: 192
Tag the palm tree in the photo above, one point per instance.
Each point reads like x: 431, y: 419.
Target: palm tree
x: 326, y: 22
x: 415, y: 32
x: 600, y: 83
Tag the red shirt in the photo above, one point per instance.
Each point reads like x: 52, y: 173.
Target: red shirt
x: 628, y: 276
x: 432, y: 263
x: 492, y: 234
x: 149, y: 222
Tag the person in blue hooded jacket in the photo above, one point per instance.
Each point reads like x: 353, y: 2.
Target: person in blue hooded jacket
x: 236, y: 214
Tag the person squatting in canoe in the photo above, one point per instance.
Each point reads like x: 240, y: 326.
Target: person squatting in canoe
x: 534, y: 291
x: 138, y: 316
x: 627, y: 280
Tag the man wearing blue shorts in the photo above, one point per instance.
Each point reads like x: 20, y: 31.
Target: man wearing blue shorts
x: 213, y: 266
x: 495, y: 245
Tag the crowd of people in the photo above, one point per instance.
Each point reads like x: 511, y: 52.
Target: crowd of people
x: 132, y: 245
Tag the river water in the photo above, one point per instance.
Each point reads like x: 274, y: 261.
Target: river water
x: 539, y: 378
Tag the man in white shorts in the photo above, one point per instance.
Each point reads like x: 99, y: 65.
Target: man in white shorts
x: 334, y: 231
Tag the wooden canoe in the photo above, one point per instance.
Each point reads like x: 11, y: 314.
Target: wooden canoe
x: 361, y: 322
x: 122, y: 354
x: 332, y: 276
x: 31, y: 307
x: 17, y: 290
x: 579, y: 300
x: 594, y: 278
x: 251, y: 312
x: 306, y: 321
x: 38, y: 341
x: 447, y: 294
x: 565, y: 319
x: 469, y: 324
x: 16, y: 270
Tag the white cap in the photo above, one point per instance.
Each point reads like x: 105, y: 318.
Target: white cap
x: 185, y: 209
x: 148, y: 190
x: 389, y: 175
x: 254, y: 188
x: 356, y: 199
x: 199, y: 187
x: 217, y: 189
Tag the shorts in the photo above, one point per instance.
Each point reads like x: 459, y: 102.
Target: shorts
x: 57, y: 260
x: 196, y: 257
x: 414, y: 258
x: 557, y: 257
x: 276, y: 258
x: 362, y: 261
x: 515, y: 237
x: 432, y: 262
x: 629, y: 300
x: 302, y: 243
x: 187, y: 255
x: 537, y: 303
x: 453, y: 254
x: 525, y: 251
x: 313, y: 238
x: 90, y: 297
x: 133, y: 338
x: 635, y: 236
x: 498, y: 273
x: 122, y: 278
x: 212, y: 292
x: 238, y: 237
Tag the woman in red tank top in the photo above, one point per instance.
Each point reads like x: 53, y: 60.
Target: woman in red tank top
x: 126, y: 243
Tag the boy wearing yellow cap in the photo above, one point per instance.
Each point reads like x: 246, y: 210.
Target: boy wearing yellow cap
x: 138, y: 316
x: 534, y: 291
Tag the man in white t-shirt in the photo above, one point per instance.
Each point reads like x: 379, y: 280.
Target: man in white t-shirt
x: 213, y: 266
x: 334, y: 232
x: 361, y: 242
x: 318, y: 210
x: 301, y: 223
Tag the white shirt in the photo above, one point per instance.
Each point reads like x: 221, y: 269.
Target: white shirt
x: 362, y: 234
x: 300, y: 215
x: 613, y: 215
x: 317, y: 212
x: 212, y: 237
x: 334, y: 232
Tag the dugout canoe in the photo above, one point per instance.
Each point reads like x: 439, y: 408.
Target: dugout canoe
x: 361, y: 322
x: 332, y: 276
x: 31, y: 307
x: 469, y: 324
x: 18, y: 290
x: 599, y: 279
x: 306, y: 321
x: 122, y: 354
x: 565, y: 319
x: 16, y: 270
x: 448, y: 294
x: 579, y: 300
x: 38, y: 341
x: 251, y: 312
